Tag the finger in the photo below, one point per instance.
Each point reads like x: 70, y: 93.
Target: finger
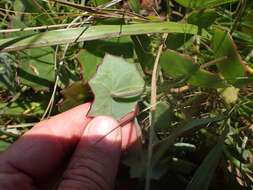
x: 129, y: 135
x: 95, y: 161
x: 41, y: 150
x: 129, y: 130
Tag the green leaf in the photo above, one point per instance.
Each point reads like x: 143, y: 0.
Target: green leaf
x: 117, y: 86
x: 35, y: 6
x: 17, y: 23
x: 143, y: 49
x: 134, y: 5
x: 163, y: 116
x: 74, y: 95
x: 26, y: 107
x: 203, y: 176
x: 94, y: 51
x: 3, y: 145
x: 224, y: 46
x: 89, y: 63
x: 203, y: 18
x: 99, y: 2
x: 88, y: 33
x: 202, y: 4
x: 176, y: 41
x: 29, y: 5
x: 180, y: 66
x: 205, y: 79
x: 177, y: 65
x: 36, y: 68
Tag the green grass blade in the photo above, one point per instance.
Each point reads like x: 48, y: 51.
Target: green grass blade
x: 201, y: 4
x: 63, y: 36
x: 203, y: 176
x: 162, y: 146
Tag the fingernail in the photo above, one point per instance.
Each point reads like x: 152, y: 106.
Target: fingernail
x: 103, y: 128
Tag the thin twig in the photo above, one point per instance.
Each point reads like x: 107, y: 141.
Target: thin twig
x: 154, y: 79
x: 180, y: 89
x: 249, y: 56
x: 210, y: 63
x: 24, y: 125
x: 51, y: 102
x: 248, y: 69
x: 239, y: 14
x: 130, y: 117
x: 153, y: 100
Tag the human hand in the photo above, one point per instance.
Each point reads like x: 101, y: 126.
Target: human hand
x: 67, y: 152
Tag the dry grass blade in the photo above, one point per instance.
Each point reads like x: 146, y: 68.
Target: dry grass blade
x: 71, y: 35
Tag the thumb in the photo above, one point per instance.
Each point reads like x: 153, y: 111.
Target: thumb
x: 95, y: 161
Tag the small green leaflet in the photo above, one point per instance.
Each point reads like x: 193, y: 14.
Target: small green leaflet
x: 36, y: 68
x: 232, y: 68
x: 181, y: 66
x: 117, y: 87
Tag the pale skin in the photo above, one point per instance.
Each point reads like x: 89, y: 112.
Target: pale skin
x: 64, y: 153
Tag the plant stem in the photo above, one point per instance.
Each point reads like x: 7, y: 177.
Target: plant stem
x: 153, y: 100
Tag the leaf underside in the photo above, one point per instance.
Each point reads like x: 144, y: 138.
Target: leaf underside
x: 115, y: 77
